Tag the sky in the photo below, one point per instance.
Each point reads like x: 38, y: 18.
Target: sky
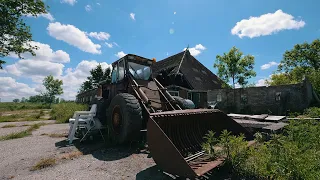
x: 76, y: 35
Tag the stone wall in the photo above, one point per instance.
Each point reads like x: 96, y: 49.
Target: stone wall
x: 275, y: 100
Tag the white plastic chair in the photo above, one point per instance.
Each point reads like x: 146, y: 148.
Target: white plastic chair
x: 84, y: 119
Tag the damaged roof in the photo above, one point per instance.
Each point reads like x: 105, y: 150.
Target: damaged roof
x: 197, y: 75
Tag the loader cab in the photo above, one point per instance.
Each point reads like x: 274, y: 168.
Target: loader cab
x: 138, y: 67
x: 130, y: 65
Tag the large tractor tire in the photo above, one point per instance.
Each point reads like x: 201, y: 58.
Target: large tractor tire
x: 184, y: 103
x: 124, y: 117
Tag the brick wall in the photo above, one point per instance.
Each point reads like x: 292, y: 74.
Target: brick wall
x: 259, y: 100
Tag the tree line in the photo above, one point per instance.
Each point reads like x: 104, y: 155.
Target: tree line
x: 303, y: 61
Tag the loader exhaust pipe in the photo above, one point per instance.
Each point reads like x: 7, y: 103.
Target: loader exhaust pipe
x: 175, y: 139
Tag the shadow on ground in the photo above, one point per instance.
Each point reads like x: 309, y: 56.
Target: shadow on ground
x: 99, y: 149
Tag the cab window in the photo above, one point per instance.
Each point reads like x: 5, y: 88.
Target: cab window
x: 121, y: 70
x: 114, y: 74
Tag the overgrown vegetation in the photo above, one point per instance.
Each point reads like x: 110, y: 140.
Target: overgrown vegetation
x: 313, y: 112
x: 22, y: 134
x: 21, y: 117
x: 63, y: 111
x: 10, y: 106
x: 295, y: 154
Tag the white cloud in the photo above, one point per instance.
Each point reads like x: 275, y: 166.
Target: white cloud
x: 47, y: 16
x: 195, y: 51
x: 174, y: 12
x: 46, y: 62
x: 132, y: 16
x: 200, y: 47
x: 88, y: 8
x: 261, y: 82
x: 35, y: 69
x: 167, y: 54
x: 45, y: 53
x: 3, y: 71
x: 109, y: 45
x: 120, y: 54
x: 73, y: 36
x: 75, y: 77
x: 266, y: 24
x: 11, y: 89
x: 269, y: 65
x: 71, y: 2
x: 99, y: 35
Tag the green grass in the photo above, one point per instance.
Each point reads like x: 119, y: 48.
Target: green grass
x: 21, y: 117
x: 11, y: 106
x: 63, y: 111
x: 22, y: 134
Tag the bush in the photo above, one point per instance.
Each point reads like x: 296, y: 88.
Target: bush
x: 295, y: 154
x: 63, y: 111
x: 313, y: 112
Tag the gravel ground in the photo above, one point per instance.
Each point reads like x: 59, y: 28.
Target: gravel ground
x: 98, y: 162
x: 21, y: 123
x: 6, y: 131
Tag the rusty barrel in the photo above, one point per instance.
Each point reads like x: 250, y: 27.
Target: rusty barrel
x: 175, y: 139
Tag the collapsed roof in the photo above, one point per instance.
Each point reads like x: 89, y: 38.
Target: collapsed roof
x: 191, y: 74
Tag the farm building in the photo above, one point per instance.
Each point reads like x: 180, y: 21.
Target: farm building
x: 186, y: 77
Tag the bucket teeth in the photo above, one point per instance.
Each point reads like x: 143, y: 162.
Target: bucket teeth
x: 175, y: 139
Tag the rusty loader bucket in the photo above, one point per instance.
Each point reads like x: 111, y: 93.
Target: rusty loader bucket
x: 175, y: 139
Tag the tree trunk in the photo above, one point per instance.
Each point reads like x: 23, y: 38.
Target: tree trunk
x: 234, y: 94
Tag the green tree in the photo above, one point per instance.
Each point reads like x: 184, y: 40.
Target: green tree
x: 36, y: 99
x: 23, y: 99
x: 53, y: 88
x: 235, y: 66
x: 305, y: 56
x: 303, y: 61
x: 15, y: 35
x: 16, y: 100
x: 97, y: 75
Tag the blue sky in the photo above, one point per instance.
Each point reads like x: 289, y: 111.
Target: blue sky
x: 75, y: 36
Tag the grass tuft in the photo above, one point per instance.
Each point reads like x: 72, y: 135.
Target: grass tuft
x: 22, y: 134
x: 44, y: 163
x: 9, y: 126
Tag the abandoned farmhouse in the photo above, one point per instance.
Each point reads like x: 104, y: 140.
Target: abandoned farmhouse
x: 183, y: 75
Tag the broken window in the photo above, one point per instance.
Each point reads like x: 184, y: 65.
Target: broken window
x: 278, y: 96
x: 219, y: 98
x: 244, y: 98
x: 174, y: 93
